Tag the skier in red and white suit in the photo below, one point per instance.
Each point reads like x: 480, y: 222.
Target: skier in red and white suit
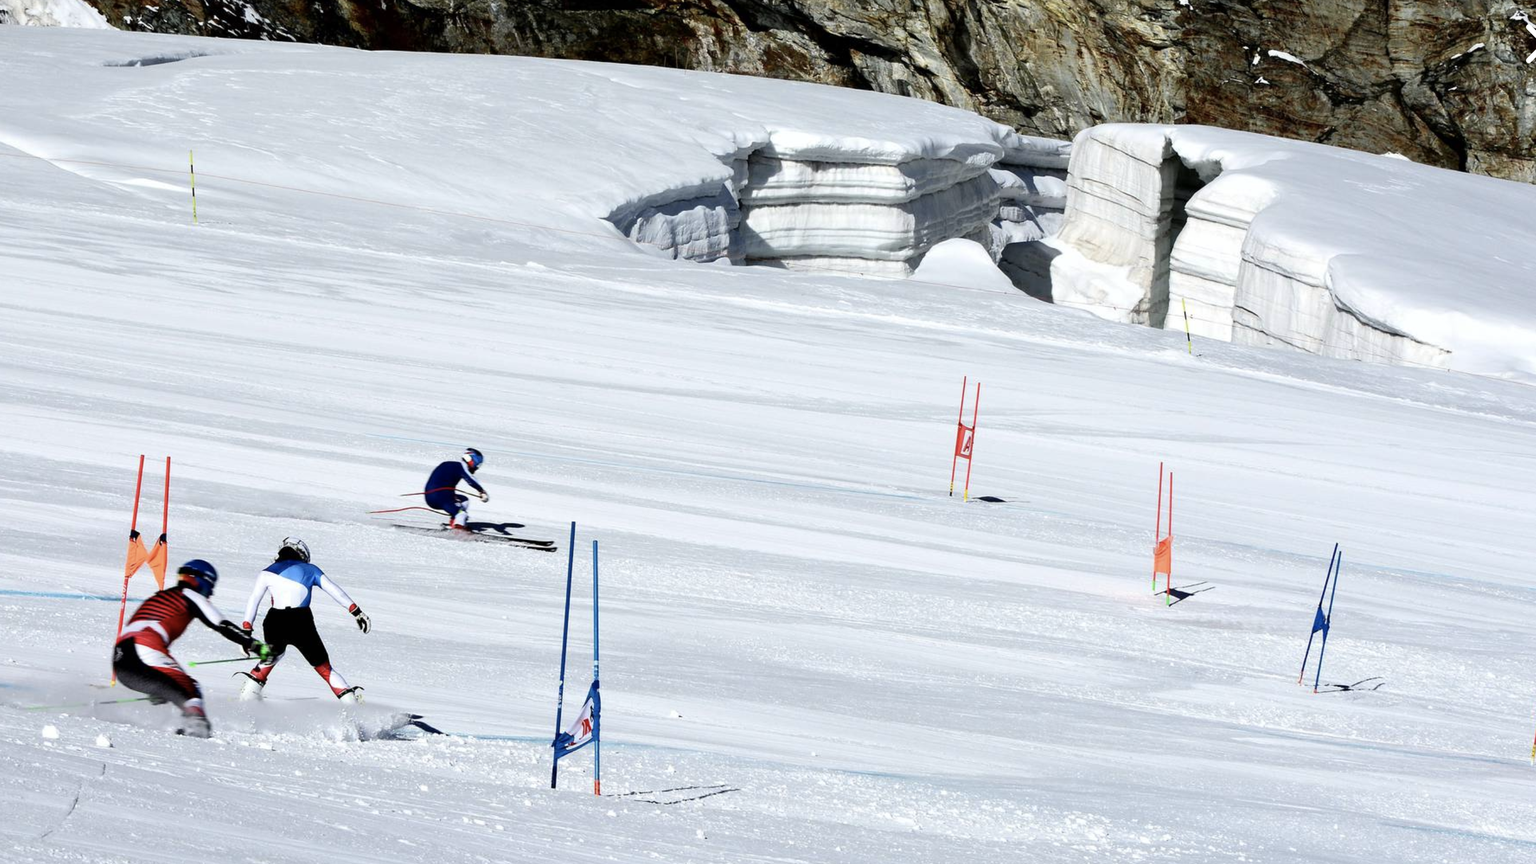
x: 142, y: 657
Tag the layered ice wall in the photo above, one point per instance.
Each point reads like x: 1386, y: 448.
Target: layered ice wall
x: 1268, y: 242
x: 1032, y: 177
x: 815, y: 200
x: 692, y: 224
x: 862, y: 218
x: 852, y: 216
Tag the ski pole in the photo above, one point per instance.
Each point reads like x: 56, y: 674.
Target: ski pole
x: 212, y: 662
x: 429, y: 491
x: 85, y: 704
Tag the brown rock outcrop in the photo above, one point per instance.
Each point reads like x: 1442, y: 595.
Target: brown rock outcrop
x: 1445, y: 82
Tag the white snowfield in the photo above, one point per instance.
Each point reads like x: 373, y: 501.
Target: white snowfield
x: 398, y: 256
x: 1272, y: 242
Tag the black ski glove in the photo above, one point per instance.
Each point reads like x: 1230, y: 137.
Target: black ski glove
x: 361, y: 617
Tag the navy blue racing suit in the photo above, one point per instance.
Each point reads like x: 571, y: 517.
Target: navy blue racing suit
x: 441, y: 487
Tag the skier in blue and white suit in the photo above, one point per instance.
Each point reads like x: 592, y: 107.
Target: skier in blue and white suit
x: 442, y: 489
x: 291, y: 580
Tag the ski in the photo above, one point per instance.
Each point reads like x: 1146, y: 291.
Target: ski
x: 1184, y: 592
x: 482, y: 536
x: 666, y: 791
x: 671, y: 800
x: 419, y: 723
x: 1355, y: 687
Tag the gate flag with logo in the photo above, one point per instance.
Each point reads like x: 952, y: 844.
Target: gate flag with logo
x: 965, y: 439
x: 583, y: 730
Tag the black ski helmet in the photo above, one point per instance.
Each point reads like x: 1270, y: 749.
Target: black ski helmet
x: 200, y: 575
x: 473, y: 459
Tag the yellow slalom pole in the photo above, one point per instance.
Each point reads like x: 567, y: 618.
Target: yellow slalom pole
x: 192, y: 175
x: 1190, y: 343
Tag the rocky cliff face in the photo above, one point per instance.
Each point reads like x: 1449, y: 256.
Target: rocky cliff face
x: 1446, y: 82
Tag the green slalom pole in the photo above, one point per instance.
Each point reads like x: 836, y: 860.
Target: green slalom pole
x: 213, y: 662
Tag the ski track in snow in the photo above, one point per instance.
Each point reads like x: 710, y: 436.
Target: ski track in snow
x: 792, y: 606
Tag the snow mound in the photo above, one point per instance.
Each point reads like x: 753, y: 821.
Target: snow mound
x: 963, y: 263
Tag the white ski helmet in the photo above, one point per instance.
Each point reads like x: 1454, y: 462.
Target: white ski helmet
x: 299, y: 548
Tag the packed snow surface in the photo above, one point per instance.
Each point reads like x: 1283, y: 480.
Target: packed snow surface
x: 397, y: 256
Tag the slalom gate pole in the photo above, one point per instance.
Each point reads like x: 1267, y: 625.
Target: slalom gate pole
x: 970, y: 460
x: 1188, y: 342
x: 1313, y: 635
x: 597, y: 728
x: 565, y: 632
x: 192, y: 175
x: 959, y: 421
x: 1168, y: 593
x: 1533, y: 751
x: 133, y: 534
x: 165, y: 545
x: 138, y: 486
x: 1332, y: 595
x: 1157, y: 532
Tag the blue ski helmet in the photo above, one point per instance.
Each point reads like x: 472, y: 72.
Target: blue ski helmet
x: 473, y: 458
x: 200, y: 575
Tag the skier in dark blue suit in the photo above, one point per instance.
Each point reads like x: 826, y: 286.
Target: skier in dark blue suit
x: 442, y: 488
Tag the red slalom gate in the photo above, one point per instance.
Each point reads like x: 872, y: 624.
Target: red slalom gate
x: 138, y: 556
x: 1162, y: 551
x: 965, y: 438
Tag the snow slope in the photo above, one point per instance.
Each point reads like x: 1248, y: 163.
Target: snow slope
x: 398, y: 256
